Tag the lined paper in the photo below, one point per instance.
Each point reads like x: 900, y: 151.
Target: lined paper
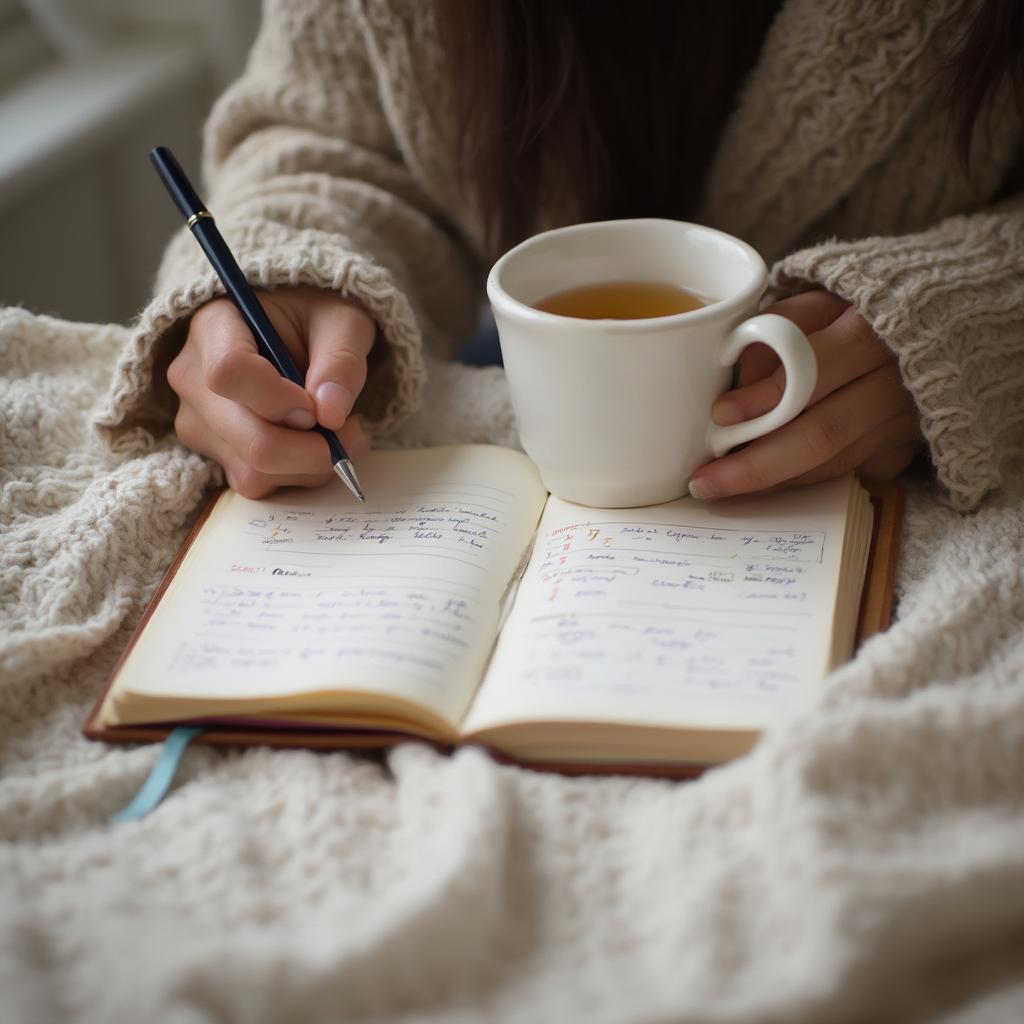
x: 670, y: 614
x: 309, y: 590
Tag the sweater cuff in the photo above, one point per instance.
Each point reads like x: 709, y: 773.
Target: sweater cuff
x: 270, y: 256
x: 941, y: 305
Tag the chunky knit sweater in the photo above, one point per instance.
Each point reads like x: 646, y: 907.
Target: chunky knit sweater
x: 864, y: 863
x: 331, y: 162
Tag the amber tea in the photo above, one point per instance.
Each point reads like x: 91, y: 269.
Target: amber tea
x: 621, y: 300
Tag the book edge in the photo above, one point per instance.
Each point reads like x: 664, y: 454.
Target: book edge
x: 94, y: 727
x: 888, y: 500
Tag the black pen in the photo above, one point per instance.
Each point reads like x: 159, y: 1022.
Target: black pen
x: 200, y: 222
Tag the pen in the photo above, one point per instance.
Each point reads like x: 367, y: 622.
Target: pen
x: 200, y: 222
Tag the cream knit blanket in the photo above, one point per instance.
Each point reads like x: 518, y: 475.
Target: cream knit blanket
x: 864, y: 863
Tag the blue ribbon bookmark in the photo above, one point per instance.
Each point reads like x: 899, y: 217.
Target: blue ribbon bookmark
x: 162, y: 774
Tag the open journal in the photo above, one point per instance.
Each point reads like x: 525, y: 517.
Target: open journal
x: 463, y: 604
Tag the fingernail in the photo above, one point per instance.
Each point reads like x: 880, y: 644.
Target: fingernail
x: 300, y: 419
x: 703, y: 489
x: 336, y: 397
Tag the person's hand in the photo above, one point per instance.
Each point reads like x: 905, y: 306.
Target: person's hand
x: 859, y: 416
x: 236, y: 408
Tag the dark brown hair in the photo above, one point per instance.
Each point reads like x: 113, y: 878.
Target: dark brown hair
x: 991, y: 49
x: 546, y: 91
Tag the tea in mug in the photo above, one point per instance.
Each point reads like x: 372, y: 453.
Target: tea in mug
x: 621, y: 300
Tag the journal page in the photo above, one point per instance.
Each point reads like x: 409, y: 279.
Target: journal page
x: 677, y: 615
x: 310, y: 591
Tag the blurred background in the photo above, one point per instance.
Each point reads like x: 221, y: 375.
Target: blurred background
x: 87, y: 88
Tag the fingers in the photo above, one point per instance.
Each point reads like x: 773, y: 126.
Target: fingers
x: 889, y: 464
x: 241, y: 437
x: 252, y: 483
x: 340, y: 337
x: 258, y: 457
x: 237, y: 409
x: 329, y: 334
x: 757, y: 361
x: 859, y: 415
x: 881, y: 454
x: 231, y: 367
x: 872, y: 413
x: 845, y: 350
x: 811, y: 311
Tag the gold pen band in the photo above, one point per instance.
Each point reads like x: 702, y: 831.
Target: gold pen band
x: 196, y: 216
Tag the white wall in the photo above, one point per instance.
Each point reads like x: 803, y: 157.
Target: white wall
x: 83, y: 218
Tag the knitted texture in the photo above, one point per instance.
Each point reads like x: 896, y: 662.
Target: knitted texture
x: 864, y: 863
x: 950, y: 303
x: 331, y: 163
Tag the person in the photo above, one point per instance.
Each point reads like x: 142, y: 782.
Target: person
x: 377, y: 155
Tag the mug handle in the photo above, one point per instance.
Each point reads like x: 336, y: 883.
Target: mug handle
x: 793, y: 348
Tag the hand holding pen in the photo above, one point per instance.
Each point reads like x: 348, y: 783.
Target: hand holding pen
x: 243, y: 399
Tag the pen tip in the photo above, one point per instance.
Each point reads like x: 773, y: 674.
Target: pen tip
x: 346, y: 471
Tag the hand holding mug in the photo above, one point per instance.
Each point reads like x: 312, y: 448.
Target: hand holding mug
x: 859, y: 415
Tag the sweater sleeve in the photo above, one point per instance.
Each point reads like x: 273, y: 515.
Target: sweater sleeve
x: 310, y: 186
x: 949, y: 302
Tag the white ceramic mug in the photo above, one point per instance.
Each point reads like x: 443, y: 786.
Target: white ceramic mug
x: 617, y: 413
